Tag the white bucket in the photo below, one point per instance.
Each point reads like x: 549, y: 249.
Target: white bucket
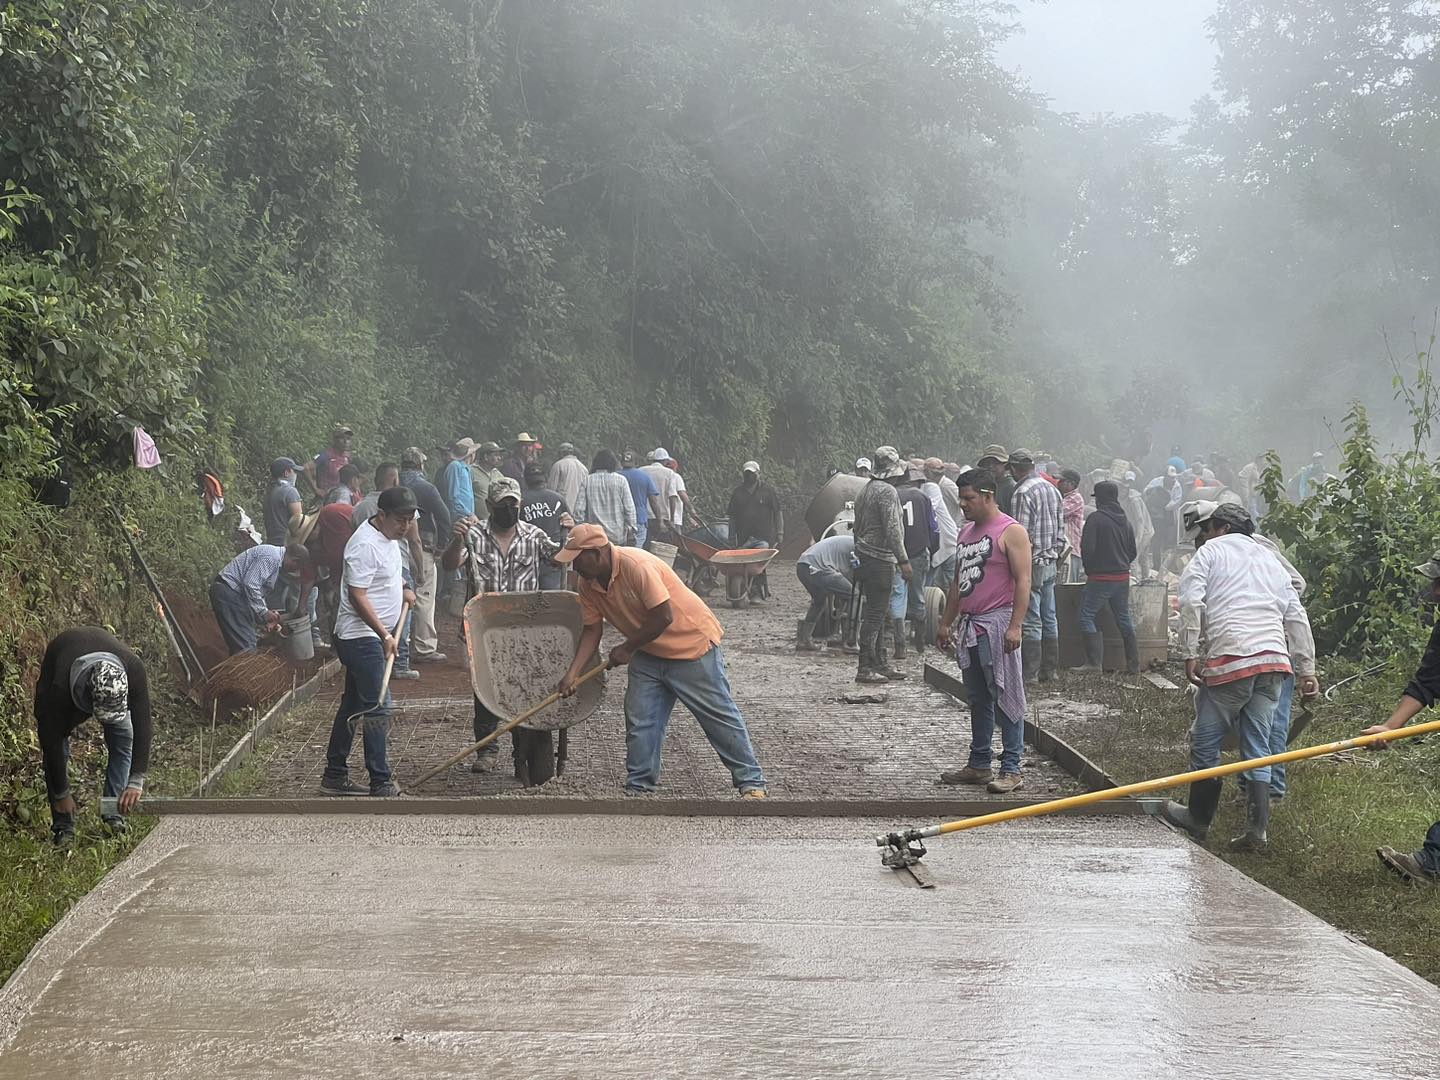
x: 298, y: 641
x: 664, y: 552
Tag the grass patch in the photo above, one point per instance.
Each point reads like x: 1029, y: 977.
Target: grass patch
x: 1336, y: 812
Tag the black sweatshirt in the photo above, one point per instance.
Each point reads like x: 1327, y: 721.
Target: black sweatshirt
x: 57, y: 715
x: 1425, y: 686
x: 1107, y: 545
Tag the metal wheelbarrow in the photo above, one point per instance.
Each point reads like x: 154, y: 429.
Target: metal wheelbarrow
x: 519, y: 647
x: 740, y: 565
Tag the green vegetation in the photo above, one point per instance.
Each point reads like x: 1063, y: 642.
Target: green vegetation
x: 1336, y: 812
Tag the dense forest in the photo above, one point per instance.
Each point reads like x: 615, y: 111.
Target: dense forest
x: 737, y: 228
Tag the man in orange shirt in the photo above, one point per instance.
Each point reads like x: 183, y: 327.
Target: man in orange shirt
x: 672, y: 644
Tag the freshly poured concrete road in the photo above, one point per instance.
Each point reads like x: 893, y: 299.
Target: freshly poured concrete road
x: 659, y: 947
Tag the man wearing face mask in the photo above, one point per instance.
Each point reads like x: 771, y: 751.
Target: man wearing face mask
x: 504, y: 554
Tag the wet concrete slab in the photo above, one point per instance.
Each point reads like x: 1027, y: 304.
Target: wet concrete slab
x: 660, y: 947
x: 810, y: 741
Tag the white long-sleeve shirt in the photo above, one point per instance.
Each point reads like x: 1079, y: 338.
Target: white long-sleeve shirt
x: 949, y: 530
x: 1238, y: 592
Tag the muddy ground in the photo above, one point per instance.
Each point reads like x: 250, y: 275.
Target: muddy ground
x: 811, y: 743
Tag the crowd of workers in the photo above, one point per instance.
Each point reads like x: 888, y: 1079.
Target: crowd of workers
x: 995, y: 539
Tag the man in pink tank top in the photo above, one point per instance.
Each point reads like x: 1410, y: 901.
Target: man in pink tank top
x: 989, y: 597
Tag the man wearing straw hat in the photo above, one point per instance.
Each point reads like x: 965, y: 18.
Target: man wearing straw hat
x: 372, y: 596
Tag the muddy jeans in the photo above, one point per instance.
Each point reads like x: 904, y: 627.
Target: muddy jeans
x: 1247, y: 705
x: 703, y: 687
x: 1429, y: 855
x: 873, y: 578
x: 119, y: 742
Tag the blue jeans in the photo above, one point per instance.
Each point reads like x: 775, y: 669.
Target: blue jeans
x: 402, y: 643
x: 364, y: 660
x: 237, y: 621
x: 979, y: 680
x: 702, y: 686
x: 1040, y: 619
x: 941, y: 576
x: 915, y: 587
x: 1429, y: 855
x: 1247, y: 705
x: 821, y: 584
x: 1096, y: 595
x: 1280, y: 733
x: 552, y: 578
x: 119, y: 742
x: 899, y: 596
x: 642, y: 533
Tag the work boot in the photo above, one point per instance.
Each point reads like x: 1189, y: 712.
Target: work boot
x: 1407, y: 866
x: 1132, y: 655
x: 897, y: 634
x: 1049, y: 659
x: 804, y: 641
x: 1094, y: 651
x: 1195, y: 819
x: 1004, y: 784
x: 871, y: 676
x: 1257, y: 819
x: 486, y: 760
x: 968, y: 775
x: 1030, y: 659
x: 115, y: 823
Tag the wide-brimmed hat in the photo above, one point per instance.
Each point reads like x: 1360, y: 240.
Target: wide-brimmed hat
x: 1431, y: 567
x: 993, y: 452
x: 887, y: 464
x: 1021, y: 456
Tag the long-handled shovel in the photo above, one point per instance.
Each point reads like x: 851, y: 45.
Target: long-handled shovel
x: 906, y: 848
x: 509, y: 725
x: 385, y: 678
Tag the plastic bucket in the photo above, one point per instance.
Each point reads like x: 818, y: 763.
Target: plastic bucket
x: 299, y: 643
x: 664, y: 552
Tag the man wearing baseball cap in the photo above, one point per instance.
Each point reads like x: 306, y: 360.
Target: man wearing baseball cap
x: 433, y: 529
x: 503, y: 554
x: 1421, y: 867
x: 994, y: 459
x: 1039, y: 509
x: 863, y: 467
x: 323, y: 471
x: 755, y: 521
x: 89, y: 672
x: 672, y: 646
x: 485, y: 470
x: 880, y: 549
x: 373, y: 595
x: 283, y: 508
x: 457, y: 486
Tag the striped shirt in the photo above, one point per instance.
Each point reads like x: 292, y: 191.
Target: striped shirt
x: 605, y: 500
x: 516, y: 570
x: 1037, y: 507
x: 253, y: 574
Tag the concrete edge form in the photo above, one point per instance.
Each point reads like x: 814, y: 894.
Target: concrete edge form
x: 540, y: 805
x: 1048, y: 743
x: 247, y: 743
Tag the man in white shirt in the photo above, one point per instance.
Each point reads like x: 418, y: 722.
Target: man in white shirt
x: 372, y: 596
x: 1255, y: 629
x: 667, y: 482
x: 942, y: 564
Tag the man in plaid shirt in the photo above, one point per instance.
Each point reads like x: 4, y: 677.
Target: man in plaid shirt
x: 504, y: 554
x: 1037, y: 506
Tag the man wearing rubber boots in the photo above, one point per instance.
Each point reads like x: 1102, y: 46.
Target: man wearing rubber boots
x: 1236, y: 593
x: 672, y: 645
x: 988, y: 598
x: 505, y: 554
x: 88, y: 672
x: 880, y: 550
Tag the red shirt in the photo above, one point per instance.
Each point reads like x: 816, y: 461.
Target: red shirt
x: 332, y: 531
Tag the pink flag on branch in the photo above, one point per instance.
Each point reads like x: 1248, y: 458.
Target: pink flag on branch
x: 146, y: 456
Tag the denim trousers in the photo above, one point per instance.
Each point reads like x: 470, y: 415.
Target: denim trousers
x: 941, y: 575
x: 1280, y: 733
x: 1247, y: 705
x: 899, y: 596
x: 821, y: 584
x: 364, y: 660
x: 237, y: 621
x: 702, y: 686
x: 1098, y: 594
x: 1040, y: 622
x: 119, y: 742
x: 915, y: 587
x: 1429, y: 855
x: 979, y: 680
